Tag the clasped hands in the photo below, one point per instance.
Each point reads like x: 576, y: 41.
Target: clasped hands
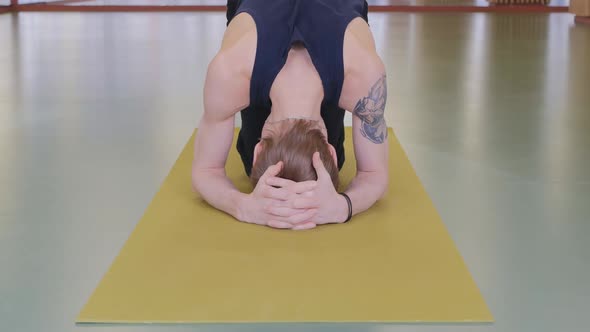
x: 285, y: 204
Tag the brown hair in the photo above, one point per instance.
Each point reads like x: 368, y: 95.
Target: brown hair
x: 295, y: 146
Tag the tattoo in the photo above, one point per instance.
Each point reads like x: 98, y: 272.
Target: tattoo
x: 371, y: 109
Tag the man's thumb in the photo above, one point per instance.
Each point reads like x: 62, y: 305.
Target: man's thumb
x: 319, y: 165
x: 273, y: 170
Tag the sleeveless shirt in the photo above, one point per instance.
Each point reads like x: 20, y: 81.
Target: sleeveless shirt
x: 320, y: 26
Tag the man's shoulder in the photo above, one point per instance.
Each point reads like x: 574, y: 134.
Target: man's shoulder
x: 358, y: 37
x: 362, y: 65
x: 360, y: 52
x: 238, y: 47
x: 236, y: 61
x: 227, y: 85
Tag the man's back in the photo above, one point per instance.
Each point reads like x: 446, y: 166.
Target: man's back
x: 239, y: 51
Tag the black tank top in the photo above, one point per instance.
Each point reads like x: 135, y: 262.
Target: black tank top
x: 318, y: 24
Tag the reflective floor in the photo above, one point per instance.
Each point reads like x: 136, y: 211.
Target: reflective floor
x: 223, y: 2
x: 493, y: 111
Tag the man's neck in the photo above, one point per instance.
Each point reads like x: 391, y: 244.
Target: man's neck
x: 300, y: 109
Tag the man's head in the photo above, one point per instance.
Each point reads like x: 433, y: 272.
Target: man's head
x: 294, y: 142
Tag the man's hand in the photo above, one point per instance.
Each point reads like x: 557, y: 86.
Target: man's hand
x: 267, y: 204
x: 329, y: 206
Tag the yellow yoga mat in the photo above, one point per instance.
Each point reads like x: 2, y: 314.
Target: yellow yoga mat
x: 186, y: 262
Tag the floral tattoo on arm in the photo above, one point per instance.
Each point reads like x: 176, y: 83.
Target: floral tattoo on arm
x: 371, y: 109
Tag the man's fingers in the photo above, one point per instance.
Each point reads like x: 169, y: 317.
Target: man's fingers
x: 272, y: 171
x: 319, y: 166
x: 292, y: 186
x: 305, y: 216
x: 280, y: 211
x: 279, y: 182
x: 279, y: 224
x: 280, y: 203
x: 302, y: 187
x: 305, y: 203
x: 304, y: 225
x: 276, y: 193
x: 286, y: 225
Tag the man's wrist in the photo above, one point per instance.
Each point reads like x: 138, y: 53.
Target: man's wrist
x: 342, y: 209
x: 240, y: 204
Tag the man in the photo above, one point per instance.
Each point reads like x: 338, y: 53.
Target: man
x: 291, y: 68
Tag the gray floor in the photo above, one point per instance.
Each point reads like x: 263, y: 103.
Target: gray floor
x: 224, y: 2
x: 493, y: 111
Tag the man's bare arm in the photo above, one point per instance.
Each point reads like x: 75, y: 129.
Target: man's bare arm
x: 224, y: 94
x: 371, y: 148
x: 370, y: 110
x: 366, y: 96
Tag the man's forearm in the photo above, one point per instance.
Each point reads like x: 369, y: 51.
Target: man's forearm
x: 366, y: 189
x: 217, y: 190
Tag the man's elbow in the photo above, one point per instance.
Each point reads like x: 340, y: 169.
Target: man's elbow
x: 201, y: 178
x: 376, y: 182
x: 198, y: 179
x: 382, y: 184
x: 195, y: 181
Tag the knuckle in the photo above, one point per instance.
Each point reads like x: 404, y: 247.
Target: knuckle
x: 307, y: 202
x: 275, y: 224
x: 303, y: 203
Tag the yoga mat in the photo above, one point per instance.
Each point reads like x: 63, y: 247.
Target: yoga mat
x: 186, y: 262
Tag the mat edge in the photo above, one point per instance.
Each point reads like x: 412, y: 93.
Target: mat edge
x: 167, y: 322
x: 143, y: 214
x: 444, y: 225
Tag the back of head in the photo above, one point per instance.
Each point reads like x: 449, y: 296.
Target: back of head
x: 295, y: 146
